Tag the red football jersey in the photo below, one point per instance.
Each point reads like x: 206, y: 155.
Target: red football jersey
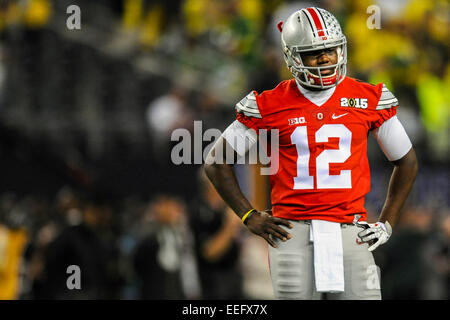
x: 323, y: 167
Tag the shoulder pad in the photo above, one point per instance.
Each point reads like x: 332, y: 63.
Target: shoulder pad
x: 248, y: 106
x: 387, y: 99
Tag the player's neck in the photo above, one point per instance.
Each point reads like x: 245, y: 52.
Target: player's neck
x: 318, y: 97
x: 314, y: 91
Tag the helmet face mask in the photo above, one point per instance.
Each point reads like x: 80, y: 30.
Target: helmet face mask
x: 300, y: 36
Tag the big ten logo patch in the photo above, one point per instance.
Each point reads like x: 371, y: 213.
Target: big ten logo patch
x: 297, y: 120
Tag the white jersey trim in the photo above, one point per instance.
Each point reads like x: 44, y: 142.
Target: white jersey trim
x: 392, y: 139
x: 248, y: 106
x: 387, y: 99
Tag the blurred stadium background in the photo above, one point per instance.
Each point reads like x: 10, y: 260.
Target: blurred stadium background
x: 85, y: 123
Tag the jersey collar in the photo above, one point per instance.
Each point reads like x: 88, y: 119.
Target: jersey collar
x: 317, y: 97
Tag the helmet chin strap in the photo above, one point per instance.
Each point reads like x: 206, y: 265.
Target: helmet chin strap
x: 326, y: 80
x: 307, y: 78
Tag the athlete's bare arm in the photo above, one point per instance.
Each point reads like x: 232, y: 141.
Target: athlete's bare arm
x: 401, y: 182
x: 224, y: 180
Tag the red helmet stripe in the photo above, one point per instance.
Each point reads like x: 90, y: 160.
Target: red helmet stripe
x: 317, y: 22
x: 322, y: 20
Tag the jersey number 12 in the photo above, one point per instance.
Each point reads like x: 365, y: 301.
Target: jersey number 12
x: 324, y: 180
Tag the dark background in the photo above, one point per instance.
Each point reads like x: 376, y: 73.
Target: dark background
x: 80, y: 118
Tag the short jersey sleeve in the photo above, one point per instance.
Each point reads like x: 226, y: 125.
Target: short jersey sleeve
x: 386, y: 108
x: 247, y: 112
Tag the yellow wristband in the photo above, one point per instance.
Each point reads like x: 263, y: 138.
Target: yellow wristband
x: 247, y: 215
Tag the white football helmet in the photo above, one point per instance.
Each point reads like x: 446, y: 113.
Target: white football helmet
x: 312, y: 29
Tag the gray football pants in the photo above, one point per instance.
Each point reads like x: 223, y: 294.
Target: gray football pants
x: 292, y: 267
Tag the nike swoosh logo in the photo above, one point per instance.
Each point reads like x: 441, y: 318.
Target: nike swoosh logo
x: 339, y: 116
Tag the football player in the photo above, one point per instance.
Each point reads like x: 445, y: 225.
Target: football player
x: 320, y: 241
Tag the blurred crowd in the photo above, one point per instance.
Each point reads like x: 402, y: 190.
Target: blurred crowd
x: 158, y: 248
x: 86, y: 118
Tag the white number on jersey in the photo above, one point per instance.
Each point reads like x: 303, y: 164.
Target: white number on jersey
x: 303, y: 180
x: 324, y: 180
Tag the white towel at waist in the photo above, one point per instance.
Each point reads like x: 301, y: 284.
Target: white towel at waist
x: 328, y: 256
